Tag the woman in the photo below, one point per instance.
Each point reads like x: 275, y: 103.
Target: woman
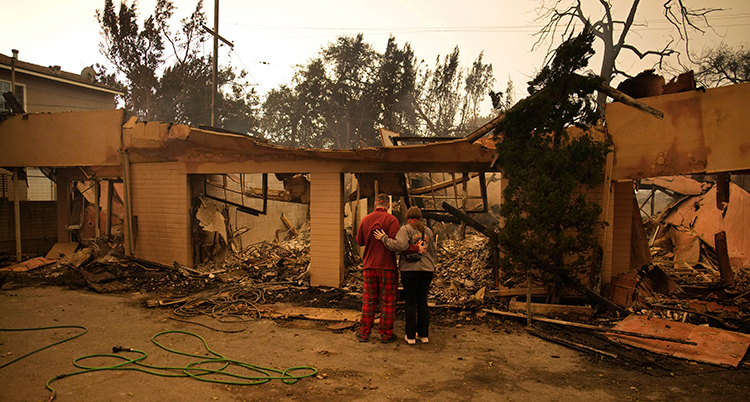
x: 416, y: 276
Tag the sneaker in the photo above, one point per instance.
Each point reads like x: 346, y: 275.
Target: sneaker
x: 361, y: 337
x: 389, y: 339
x: 410, y: 341
x: 423, y: 340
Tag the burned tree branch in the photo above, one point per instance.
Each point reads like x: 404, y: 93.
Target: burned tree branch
x: 632, y: 102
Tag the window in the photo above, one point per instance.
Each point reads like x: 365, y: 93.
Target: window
x: 5, y: 87
x: 40, y: 188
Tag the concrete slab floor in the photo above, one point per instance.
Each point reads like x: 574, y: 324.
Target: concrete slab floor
x: 466, y: 363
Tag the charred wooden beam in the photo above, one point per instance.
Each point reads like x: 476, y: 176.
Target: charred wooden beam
x: 436, y: 216
x: 568, y: 343
x: 441, y: 185
x: 240, y: 207
x: 722, y: 252
x: 722, y: 190
x: 491, y: 235
x: 470, y: 221
x: 275, y: 195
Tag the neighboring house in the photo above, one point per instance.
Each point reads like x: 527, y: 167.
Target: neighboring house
x: 49, y: 89
x: 42, y: 89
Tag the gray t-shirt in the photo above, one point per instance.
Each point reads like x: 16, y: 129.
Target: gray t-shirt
x: 408, y: 235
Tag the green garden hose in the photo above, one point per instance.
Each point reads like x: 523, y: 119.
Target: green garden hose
x: 196, y: 369
x: 45, y: 347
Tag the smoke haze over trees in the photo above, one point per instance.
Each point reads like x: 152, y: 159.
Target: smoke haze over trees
x: 341, y: 97
x: 338, y: 99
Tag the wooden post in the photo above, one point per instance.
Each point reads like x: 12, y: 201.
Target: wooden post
x: 129, y: 239
x: 97, y: 208
x: 528, y: 299
x: 110, y: 191
x: 217, y: 37
x: 17, y: 211
x: 355, y: 212
x: 722, y: 252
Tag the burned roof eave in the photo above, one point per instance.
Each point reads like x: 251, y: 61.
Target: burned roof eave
x: 203, y: 151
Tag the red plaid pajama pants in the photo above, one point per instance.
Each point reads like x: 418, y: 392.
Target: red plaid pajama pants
x: 381, y: 286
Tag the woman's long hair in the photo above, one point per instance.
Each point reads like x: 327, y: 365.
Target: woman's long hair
x: 414, y: 215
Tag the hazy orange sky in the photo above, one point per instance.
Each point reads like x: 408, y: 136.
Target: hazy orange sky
x: 270, y: 37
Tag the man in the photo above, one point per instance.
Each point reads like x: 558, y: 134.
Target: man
x: 379, y: 271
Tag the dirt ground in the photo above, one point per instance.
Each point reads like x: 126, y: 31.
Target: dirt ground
x: 469, y: 358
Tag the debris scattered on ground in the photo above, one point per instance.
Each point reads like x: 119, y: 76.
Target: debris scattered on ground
x: 248, y: 281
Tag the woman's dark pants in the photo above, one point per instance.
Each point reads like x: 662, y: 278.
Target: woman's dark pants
x: 416, y: 286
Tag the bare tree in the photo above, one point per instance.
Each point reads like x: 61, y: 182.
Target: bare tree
x: 565, y: 18
x: 724, y: 65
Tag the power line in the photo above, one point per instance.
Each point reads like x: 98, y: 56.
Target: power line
x: 244, y: 67
x: 469, y: 29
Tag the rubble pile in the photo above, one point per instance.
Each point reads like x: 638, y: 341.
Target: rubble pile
x: 681, y: 279
x: 463, y: 269
x: 681, y: 236
x: 265, y: 262
x: 463, y: 272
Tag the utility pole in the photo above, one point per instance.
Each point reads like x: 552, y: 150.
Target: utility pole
x: 216, y: 62
x: 215, y: 33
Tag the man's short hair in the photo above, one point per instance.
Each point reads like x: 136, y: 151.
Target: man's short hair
x: 382, y: 198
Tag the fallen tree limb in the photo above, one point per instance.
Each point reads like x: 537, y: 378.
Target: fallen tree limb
x: 481, y: 131
x: 591, y: 327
